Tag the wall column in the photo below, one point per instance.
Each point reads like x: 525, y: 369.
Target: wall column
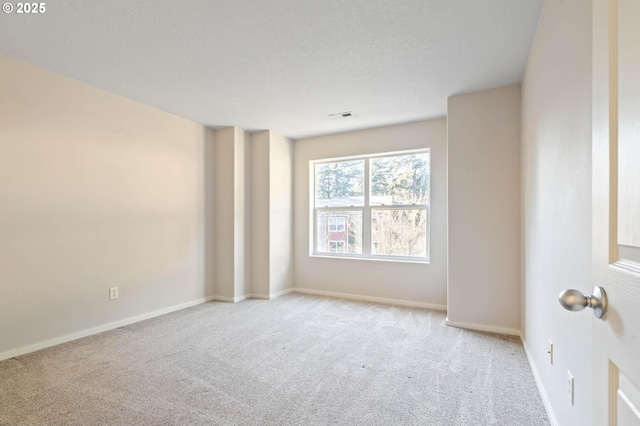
x: 231, y: 270
x: 483, y: 289
x: 271, y: 212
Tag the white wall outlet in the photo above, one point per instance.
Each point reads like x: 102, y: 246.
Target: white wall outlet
x: 113, y: 293
x: 550, y: 352
x: 282, y: 271
x: 570, y: 386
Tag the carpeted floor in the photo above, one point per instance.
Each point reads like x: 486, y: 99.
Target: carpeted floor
x: 295, y: 360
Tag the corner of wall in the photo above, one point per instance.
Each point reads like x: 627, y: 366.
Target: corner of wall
x: 483, y: 151
x: 556, y: 218
x: 209, y: 212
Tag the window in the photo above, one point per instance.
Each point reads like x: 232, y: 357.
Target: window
x: 372, y: 207
x: 336, y: 223
x: 336, y: 246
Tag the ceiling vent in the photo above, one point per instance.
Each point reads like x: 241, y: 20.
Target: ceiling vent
x: 342, y: 115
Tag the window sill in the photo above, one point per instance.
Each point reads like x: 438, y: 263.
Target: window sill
x: 372, y: 259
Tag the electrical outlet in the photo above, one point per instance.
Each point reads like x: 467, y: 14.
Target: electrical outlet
x: 570, y: 386
x: 113, y: 293
x: 550, y: 352
x: 282, y: 270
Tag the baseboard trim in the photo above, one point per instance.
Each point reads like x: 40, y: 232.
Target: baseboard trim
x: 259, y: 296
x: 384, y: 300
x: 101, y: 328
x: 280, y: 293
x: 218, y: 298
x: 483, y: 327
x: 546, y: 401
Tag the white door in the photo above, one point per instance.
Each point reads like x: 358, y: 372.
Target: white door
x: 616, y: 210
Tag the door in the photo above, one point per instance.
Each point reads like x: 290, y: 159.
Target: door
x: 616, y: 210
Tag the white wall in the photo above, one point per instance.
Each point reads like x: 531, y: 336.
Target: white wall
x: 556, y: 186
x: 484, y: 209
x: 96, y: 191
x: 414, y: 282
x: 232, y: 190
x: 241, y: 219
x: 281, y: 212
x: 224, y: 216
x: 260, y: 214
x: 271, y: 211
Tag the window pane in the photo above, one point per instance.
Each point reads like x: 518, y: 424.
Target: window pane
x: 336, y: 247
x: 337, y: 223
x: 340, y: 184
x: 400, y: 180
x: 399, y: 232
x: 339, y: 232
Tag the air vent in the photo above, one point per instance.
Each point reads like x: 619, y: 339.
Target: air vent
x: 342, y: 115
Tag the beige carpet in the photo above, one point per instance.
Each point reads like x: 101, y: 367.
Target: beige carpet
x: 295, y: 360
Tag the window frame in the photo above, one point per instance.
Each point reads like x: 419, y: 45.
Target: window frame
x: 366, y: 210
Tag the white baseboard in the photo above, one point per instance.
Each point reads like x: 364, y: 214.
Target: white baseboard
x: 259, y: 296
x: 483, y: 327
x: 543, y: 393
x: 384, y: 300
x: 280, y: 293
x: 218, y: 298
x: 102, y: 328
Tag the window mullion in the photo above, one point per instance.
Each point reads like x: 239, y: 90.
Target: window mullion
x: 366, y: 213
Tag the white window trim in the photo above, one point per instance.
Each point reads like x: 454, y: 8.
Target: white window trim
x: 366, y: 212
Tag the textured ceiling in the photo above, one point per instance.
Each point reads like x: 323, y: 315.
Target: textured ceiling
x: 281, y: 64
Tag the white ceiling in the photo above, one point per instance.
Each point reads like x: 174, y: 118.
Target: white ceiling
x: 281, y: 64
